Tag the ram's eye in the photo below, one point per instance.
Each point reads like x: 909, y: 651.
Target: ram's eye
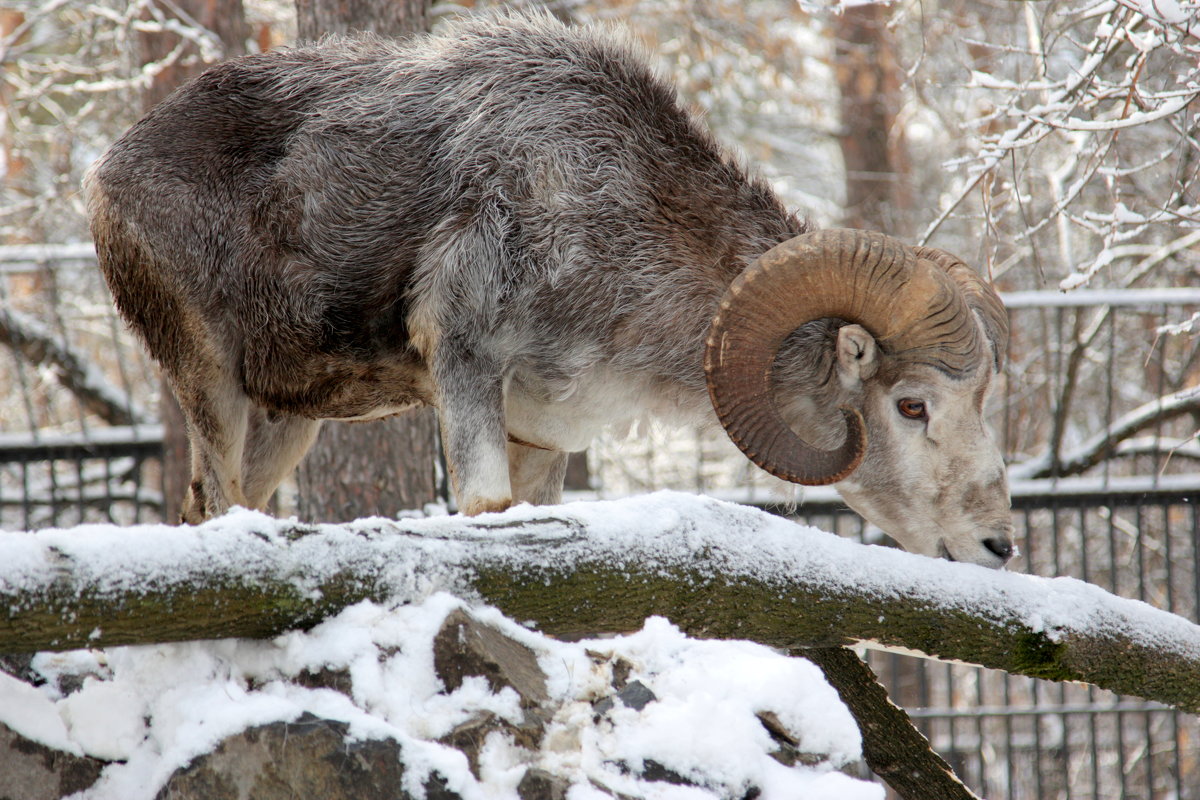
x: 913, y: 409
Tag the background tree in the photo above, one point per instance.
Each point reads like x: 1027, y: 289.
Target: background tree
x: 871, y: 131
x: 316, y: 18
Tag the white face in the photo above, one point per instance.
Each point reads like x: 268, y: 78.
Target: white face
x: 932, y: 477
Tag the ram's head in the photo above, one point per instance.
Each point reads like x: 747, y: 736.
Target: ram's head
x: 846, y: 357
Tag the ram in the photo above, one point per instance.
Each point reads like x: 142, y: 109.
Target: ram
x: 516, y: 222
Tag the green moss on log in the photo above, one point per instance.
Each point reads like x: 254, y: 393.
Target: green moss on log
x: 1034, y: 654
x: 585, y: 597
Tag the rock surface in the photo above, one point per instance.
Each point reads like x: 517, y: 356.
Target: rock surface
x: 306, y: 758
x: 470, y: 736
x: 537, y: 784
x: 466, y: 647
x: 635, y: 695
x: 311, y: 756
x: 788, y: 751
x: 32, y: 771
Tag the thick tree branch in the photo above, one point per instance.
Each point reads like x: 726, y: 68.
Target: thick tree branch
x: 892, y: 746
x: 715, y: 569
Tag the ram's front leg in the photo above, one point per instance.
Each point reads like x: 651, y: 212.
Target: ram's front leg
x: 536, y: 474
x: 471, y: 411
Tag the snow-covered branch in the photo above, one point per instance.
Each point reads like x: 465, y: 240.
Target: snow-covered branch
x: 33, y: 341
x: 1090, y: 148
x: 715, y: 569
x: 1032, y: 127
x: 1105, y: 443
x: 1178, y: 328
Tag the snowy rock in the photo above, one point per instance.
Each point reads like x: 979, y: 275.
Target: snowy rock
x: 32, y: 771
x: 310, y: 757
x: 390, y: 700
x: 20, y: 666
x: 655, y: 772
x: 621, y: 670
x: 788, y: 751
x: 537, y: 784
x: 471, y: 736
x: 465, y: 647
x: 635, y: 695
x: 338, y: 680
x: 91, y: 723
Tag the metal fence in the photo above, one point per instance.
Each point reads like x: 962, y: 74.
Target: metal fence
x: 1016, y: 738
x: 1098, y: 418
x: 104, y: 475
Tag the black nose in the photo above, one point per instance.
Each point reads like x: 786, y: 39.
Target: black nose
x: 1002, y: 547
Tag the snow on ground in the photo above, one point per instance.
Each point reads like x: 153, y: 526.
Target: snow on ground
x: 155, y: 708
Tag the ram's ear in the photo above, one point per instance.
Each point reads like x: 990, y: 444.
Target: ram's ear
x: 857, y: 355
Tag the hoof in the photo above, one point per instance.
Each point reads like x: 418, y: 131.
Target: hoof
x: 484, y: 506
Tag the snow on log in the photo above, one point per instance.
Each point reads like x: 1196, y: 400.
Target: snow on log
x: 715, y: 569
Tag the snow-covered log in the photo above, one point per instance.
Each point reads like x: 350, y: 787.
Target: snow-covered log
x: 715, y: 569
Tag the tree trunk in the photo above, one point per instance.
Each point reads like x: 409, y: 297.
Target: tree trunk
x: 316, y: 18
x: 872, y: 141
x: 714, y: 569
x: 16, y: 163
x: 370, y: 468
x: 373, y: 468
x: 578, y: 477
x: 227, y: 19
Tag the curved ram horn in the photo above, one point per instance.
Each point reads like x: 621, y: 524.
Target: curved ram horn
x: 982, y: 299
x: 911, y: 305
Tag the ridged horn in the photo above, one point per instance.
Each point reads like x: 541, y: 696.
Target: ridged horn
x: 982, y: 299
x: 912, y: 306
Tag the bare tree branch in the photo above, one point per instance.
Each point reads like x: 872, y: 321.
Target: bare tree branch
x: 1104, y: 444
x: 36, y: 343
x: 1097, y: 53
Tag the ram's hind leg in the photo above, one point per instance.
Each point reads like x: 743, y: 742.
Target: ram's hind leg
x: 188, y: 346
x: 536, y: 474
x: 216, y: 412
x: 274, y: 446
